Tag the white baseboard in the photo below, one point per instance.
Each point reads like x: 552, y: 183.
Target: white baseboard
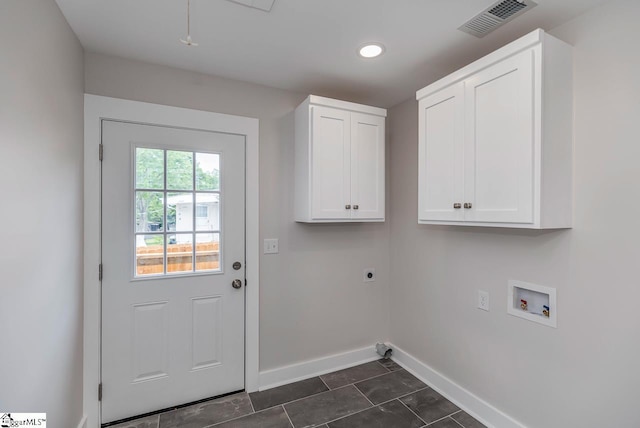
x: 307, y: 369
x: 470, y: 403
x: 83, y: 422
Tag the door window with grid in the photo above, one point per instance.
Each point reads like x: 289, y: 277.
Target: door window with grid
x: 177, y: 212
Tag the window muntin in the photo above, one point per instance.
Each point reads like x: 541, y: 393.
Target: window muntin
x: 176, y: 198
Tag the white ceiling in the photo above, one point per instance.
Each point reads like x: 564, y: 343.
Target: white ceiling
x: 308, y: 46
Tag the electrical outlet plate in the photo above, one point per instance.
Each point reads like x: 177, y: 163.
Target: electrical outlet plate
x: 271, y: 246
x: 483, y: 300
x: 369, y: 275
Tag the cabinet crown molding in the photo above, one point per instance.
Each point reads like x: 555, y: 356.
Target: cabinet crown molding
x: 346, y: 105
x: 525, y: 42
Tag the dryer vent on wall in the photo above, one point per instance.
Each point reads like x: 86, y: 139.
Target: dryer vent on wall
x: 496, y: 15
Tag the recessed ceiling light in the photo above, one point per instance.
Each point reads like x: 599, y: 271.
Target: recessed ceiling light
x: 371, y: 50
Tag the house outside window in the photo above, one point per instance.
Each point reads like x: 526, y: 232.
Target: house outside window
x: 202, y: 211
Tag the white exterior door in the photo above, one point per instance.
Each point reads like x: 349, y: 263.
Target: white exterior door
x: 173, y: 207
x: 330, y: 163
x: 367, y: 166
x: 441, y: 155
x: 499, y: 136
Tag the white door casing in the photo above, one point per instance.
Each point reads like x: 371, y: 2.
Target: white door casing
x: 170, y: 338
x: 97, y: 109
x: 499, y: 142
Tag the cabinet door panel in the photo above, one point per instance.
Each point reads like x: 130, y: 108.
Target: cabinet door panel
x: 330, y: 163
x: 367, y: 166
x: 441, y: 155
x: 499, y: 142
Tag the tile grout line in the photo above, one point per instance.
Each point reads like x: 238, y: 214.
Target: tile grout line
x: 345, y: 416
x: 236, y: 418
x: 342, y: 417
x: 402, y: 396
x: 302, y: 398
x: 372, y: 377
x: 251, y: 402
x: 329, y: 390
x: 354, y: 413
x: 454, y: 420
x: 298, y: 399
x: 364, y: 395
x: 325, y: 383
x: 388, y: 369
x: 357, y: 389
x: 288, y: 417
x: 350, y: 414
x: 409, y: 409
x: 376, y: 376
x: 376, y: 405
x: 442, y: 419
x: 455, y: 413
x: 322, y: 392
x: 357, y: 381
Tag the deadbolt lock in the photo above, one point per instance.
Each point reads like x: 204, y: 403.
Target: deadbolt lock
x: 237, y: 265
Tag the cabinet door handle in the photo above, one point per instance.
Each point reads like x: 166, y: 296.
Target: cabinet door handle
x: 355, y: 207
x: 347, y: 207
x: 457, y: 205
x: 467, y: 205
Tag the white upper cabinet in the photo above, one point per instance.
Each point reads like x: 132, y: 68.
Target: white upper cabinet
x: 495, y: 140
x: 331, y: 166
x: 367, y: 167
x: 441, y: 175
x: 339, y: 162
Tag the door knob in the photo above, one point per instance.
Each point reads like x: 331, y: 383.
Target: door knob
x: 457, y: 205
x: 467, y: 205
x: 237, y: 283
x: 355, y: 207
x: 347, y: 207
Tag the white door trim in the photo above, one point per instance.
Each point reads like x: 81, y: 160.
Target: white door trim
x: 97, y: 108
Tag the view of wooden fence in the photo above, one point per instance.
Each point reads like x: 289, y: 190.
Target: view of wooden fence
x: 179, y: 258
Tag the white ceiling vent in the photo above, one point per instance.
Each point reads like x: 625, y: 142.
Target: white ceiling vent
x: 496, y: 15
x: 264, y: 5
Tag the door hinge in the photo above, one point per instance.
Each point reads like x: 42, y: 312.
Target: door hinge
x: 100, y: 272
x: 101, y: 152
x: 100, y: 392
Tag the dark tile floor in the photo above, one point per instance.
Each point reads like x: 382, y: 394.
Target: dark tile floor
x: 379, y: 394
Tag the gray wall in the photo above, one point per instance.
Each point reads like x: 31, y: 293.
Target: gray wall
x: 584, y: 373
x: 313, y: 302
x: 41, y: 122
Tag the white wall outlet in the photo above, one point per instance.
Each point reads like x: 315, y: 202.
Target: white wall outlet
x: 483, y: 300
x: 369, y: 275
x: 271, y: 246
